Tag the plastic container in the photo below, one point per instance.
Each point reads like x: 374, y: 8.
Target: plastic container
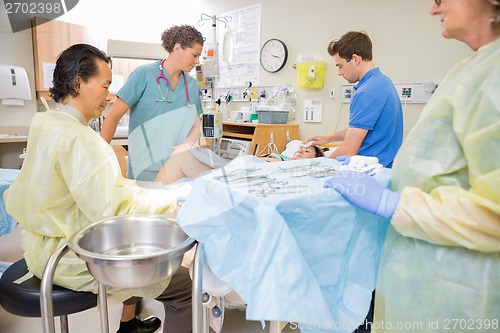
x: 311, y: 74
x: 272, y: 117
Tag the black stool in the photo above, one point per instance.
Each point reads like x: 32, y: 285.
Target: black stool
x: 24, y: 299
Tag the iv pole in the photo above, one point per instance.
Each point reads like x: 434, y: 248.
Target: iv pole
x: 211, y: 80
x: 224, y: 19
x: 214, y: 19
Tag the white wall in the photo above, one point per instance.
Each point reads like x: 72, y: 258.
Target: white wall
x: 408, y: 46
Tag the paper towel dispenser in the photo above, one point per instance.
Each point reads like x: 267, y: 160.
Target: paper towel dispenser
x: 14, y: 85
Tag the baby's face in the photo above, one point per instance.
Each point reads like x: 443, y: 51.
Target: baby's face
x: 308, y: 152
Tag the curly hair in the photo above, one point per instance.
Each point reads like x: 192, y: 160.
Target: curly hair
x: 186, y: 35
x: 353, y: 42
x: 79, y: 60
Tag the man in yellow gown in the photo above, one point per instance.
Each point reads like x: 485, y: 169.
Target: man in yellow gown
x: 71, y: 178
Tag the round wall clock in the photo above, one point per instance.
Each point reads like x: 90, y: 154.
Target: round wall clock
x: 273, y: 55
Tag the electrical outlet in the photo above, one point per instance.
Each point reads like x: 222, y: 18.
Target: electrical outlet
x: 416, y: 93
x: 346, y: 92
x: 406, y: 92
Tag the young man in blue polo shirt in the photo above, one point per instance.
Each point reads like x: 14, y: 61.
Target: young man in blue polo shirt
x: 375, y: 113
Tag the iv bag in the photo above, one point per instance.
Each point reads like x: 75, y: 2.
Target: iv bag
x: 228, y: 46
x: 211, y: 63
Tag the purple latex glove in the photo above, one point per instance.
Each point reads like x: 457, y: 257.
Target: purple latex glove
x: 344, y: 160
x: 363, y: 191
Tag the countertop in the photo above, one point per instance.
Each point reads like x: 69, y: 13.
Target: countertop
x: 14, y: 134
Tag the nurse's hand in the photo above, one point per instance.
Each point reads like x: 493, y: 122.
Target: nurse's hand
x: 186, y: 146
x: 193, y: 145
x: 363, y: 191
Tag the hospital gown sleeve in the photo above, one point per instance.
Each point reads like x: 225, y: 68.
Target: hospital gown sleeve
x: 456, y: 216
x: 95, y: 182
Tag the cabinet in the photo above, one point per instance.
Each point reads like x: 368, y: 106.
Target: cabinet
x: 122, y: 67
x: 261, y: 134
x: 121, y: 155
x: 12, y: 141
x: 50, y: 38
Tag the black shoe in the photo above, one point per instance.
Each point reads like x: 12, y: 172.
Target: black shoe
x: 136, y: 325
x: 148, y: 325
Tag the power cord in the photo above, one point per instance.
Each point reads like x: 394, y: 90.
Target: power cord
x: 339, y: 108
x: 404, y: 113
x: 270, y: 147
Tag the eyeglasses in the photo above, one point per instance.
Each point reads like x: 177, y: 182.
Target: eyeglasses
x: 438, y: 2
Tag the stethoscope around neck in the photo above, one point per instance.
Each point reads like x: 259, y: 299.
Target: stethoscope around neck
x: 164, y: 98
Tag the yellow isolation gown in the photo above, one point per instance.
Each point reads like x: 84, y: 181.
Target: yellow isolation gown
x: 440, y: 265
x: 69, y: 179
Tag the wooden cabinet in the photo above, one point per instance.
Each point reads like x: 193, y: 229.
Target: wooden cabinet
x: 50, y: 38
x: 122, y: 67
x: 122, y: 155
x: 261, y: 135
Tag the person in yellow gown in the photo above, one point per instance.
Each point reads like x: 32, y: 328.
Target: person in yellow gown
x: 440, y: 264
x: 71, y: 178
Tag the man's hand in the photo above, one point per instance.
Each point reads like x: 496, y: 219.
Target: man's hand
x: 316, y: 140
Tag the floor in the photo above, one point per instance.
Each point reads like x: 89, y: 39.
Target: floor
x: 88, y: 321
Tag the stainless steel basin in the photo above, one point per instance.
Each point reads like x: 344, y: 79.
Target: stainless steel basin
x: 131, y: 251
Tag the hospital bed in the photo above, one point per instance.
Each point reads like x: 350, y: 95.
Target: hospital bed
x: 291, y: 250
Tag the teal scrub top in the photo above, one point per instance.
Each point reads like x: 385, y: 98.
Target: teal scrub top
x: 157, y: 126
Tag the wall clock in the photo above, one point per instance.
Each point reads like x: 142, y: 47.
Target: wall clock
x: 273, y: 55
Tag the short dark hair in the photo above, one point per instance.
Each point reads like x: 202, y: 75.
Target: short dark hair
x: 78, y: 60
x: 353, y: 42
x: 318, y: 152
x: 186, y: 35
x: 495, y: 20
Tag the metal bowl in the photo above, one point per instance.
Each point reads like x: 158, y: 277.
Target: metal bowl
x: 131, y: 251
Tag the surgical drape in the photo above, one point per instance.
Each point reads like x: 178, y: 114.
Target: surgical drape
x: 304, y: 255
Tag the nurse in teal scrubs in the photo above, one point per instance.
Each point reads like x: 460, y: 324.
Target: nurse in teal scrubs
x: 164, y: 104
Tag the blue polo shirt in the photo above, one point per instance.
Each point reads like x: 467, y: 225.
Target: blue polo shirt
x: 376, y: 107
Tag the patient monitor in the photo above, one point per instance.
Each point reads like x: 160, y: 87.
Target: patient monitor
x: 232, y: 148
